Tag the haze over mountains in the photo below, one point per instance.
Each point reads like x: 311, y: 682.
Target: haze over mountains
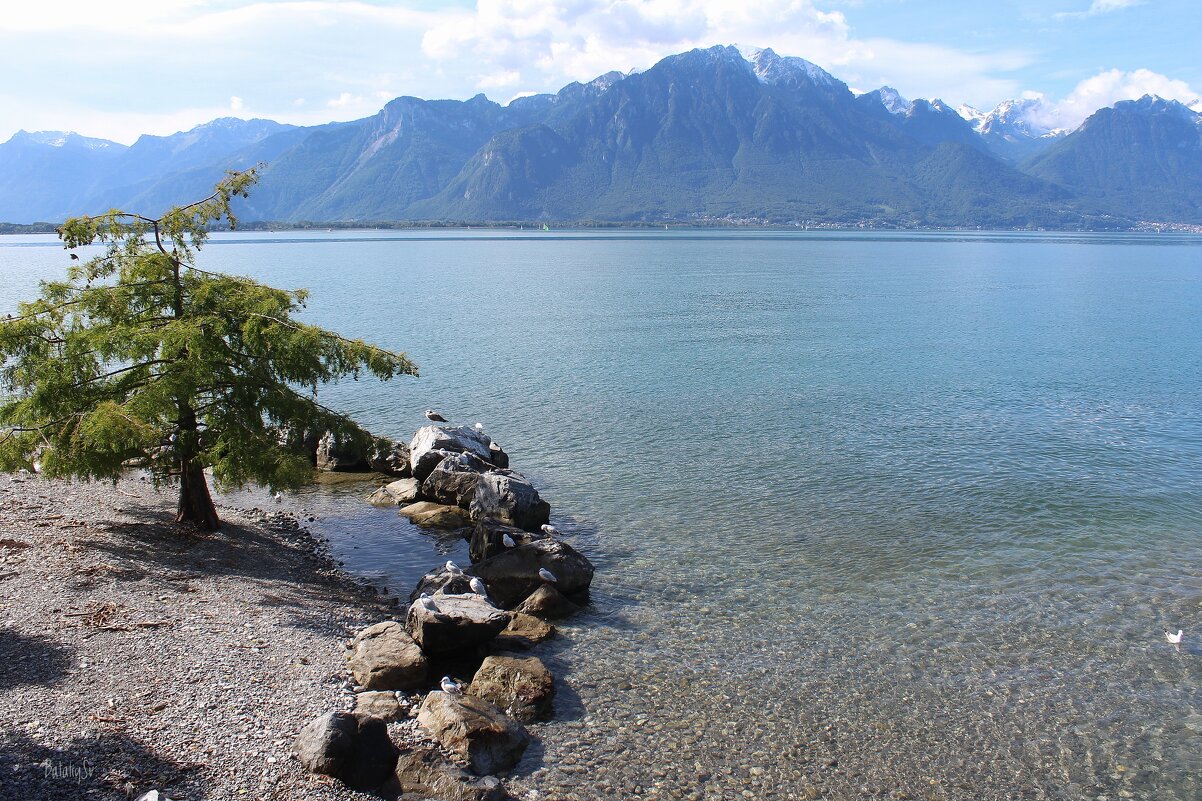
x: 707, y: 135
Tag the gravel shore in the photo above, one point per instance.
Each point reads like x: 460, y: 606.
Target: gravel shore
x: 136, y: 656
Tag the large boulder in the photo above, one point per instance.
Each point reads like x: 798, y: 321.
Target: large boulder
x: 431, y: 444
x: 522, y: 686
x: 511, y: 576
x: 341, y: 454
x: 461, y: 622
x: 523, y: 632
x: 475, y: 730
x: 439, y: 582
x: 428, y: 774
x: 453, y: 480
x: 385, y: 657
x: 435, y: 515
x: 351, y: 747
x: 488, y: 538
x: 390, y: 458
x: 511, y: 499
x: 547, y: 603
x: 380, y: 704
x: 403, y: 491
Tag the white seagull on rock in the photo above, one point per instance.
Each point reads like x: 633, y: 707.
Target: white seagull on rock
x: 479, y: 426
x: 507, y: 541
x: 478, y: 586
x: 434, y: 417
x: 546, y: 575
x: 1175, y: 639
x: 450, y: 687
x: 550, y: 530
x: 427, y: 603
x: 454, y: 569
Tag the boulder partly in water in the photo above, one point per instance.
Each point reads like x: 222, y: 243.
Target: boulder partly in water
x: 431, y: 444
x: 521, y: 686
x: 509, y: 498
x: 513, y: 575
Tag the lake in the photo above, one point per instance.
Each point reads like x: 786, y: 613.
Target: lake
x: 875, y: 515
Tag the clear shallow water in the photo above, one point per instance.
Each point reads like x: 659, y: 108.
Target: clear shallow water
x: 875, y: 516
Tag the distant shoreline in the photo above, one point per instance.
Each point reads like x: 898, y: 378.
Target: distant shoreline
x: 703, y: 225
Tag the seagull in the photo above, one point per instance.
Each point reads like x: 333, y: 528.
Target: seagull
x: 454, y: 569
x: 550, y: 530
x: 278, y: 497
x: 507, y: 541
x: 478, y: 586
x: 434, y: 417
x: 1175, y: 639
x: 479, y: 426
x: 494, y: 447
x: 427, y: 603
x: 450, y: 687
x: 546, y: 575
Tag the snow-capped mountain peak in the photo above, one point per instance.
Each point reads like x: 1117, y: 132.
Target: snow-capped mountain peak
x: 973, y: 116
x: 64, y: 139
x: 892, y: 100
x: 773, y: 69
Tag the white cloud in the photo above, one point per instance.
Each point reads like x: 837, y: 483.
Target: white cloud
x: 498, y: 80
x: 235, y: 103
x: 544, y: 44
x: 1098, y: 7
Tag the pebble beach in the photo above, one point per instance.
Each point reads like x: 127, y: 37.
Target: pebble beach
x: 134, y: 656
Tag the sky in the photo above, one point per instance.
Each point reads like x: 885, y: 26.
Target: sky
x: 116, y: 69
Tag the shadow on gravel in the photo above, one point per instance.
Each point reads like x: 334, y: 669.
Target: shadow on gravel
x: 25, y: 659
x: 285, y: 563
x: 110, y: 766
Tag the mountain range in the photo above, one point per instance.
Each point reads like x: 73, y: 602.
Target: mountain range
x: 711, y: 135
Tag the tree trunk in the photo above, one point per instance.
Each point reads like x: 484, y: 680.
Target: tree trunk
x: 195, y: 502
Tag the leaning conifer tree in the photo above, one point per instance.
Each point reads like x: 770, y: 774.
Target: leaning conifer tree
x: 140, y: 354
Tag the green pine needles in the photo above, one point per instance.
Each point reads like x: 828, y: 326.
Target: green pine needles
x: 140, y: 354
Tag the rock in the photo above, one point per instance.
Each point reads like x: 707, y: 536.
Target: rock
x: 383, y: 705
x: 299, y: 439
x: 461, y: 622
x: 400, y: 492
x: 512, y: 575
x: 390, y: 458
x: 425, y: 772
x: 439, y: 581
x: 524, y: 632
x: 453, y: 480
x: 436, y: 515
x: 340, y: 454
x: 522, y: 686
x: 499, y: 457
x: 385, y: 657
x: 431, y: 444
x: 351, y: 747
x: 511, y: 499
x: 488, y: 538
x: 548, y: 603
x: 471, y: 728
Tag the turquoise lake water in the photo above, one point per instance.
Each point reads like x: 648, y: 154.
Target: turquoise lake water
x: 874, y: 515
